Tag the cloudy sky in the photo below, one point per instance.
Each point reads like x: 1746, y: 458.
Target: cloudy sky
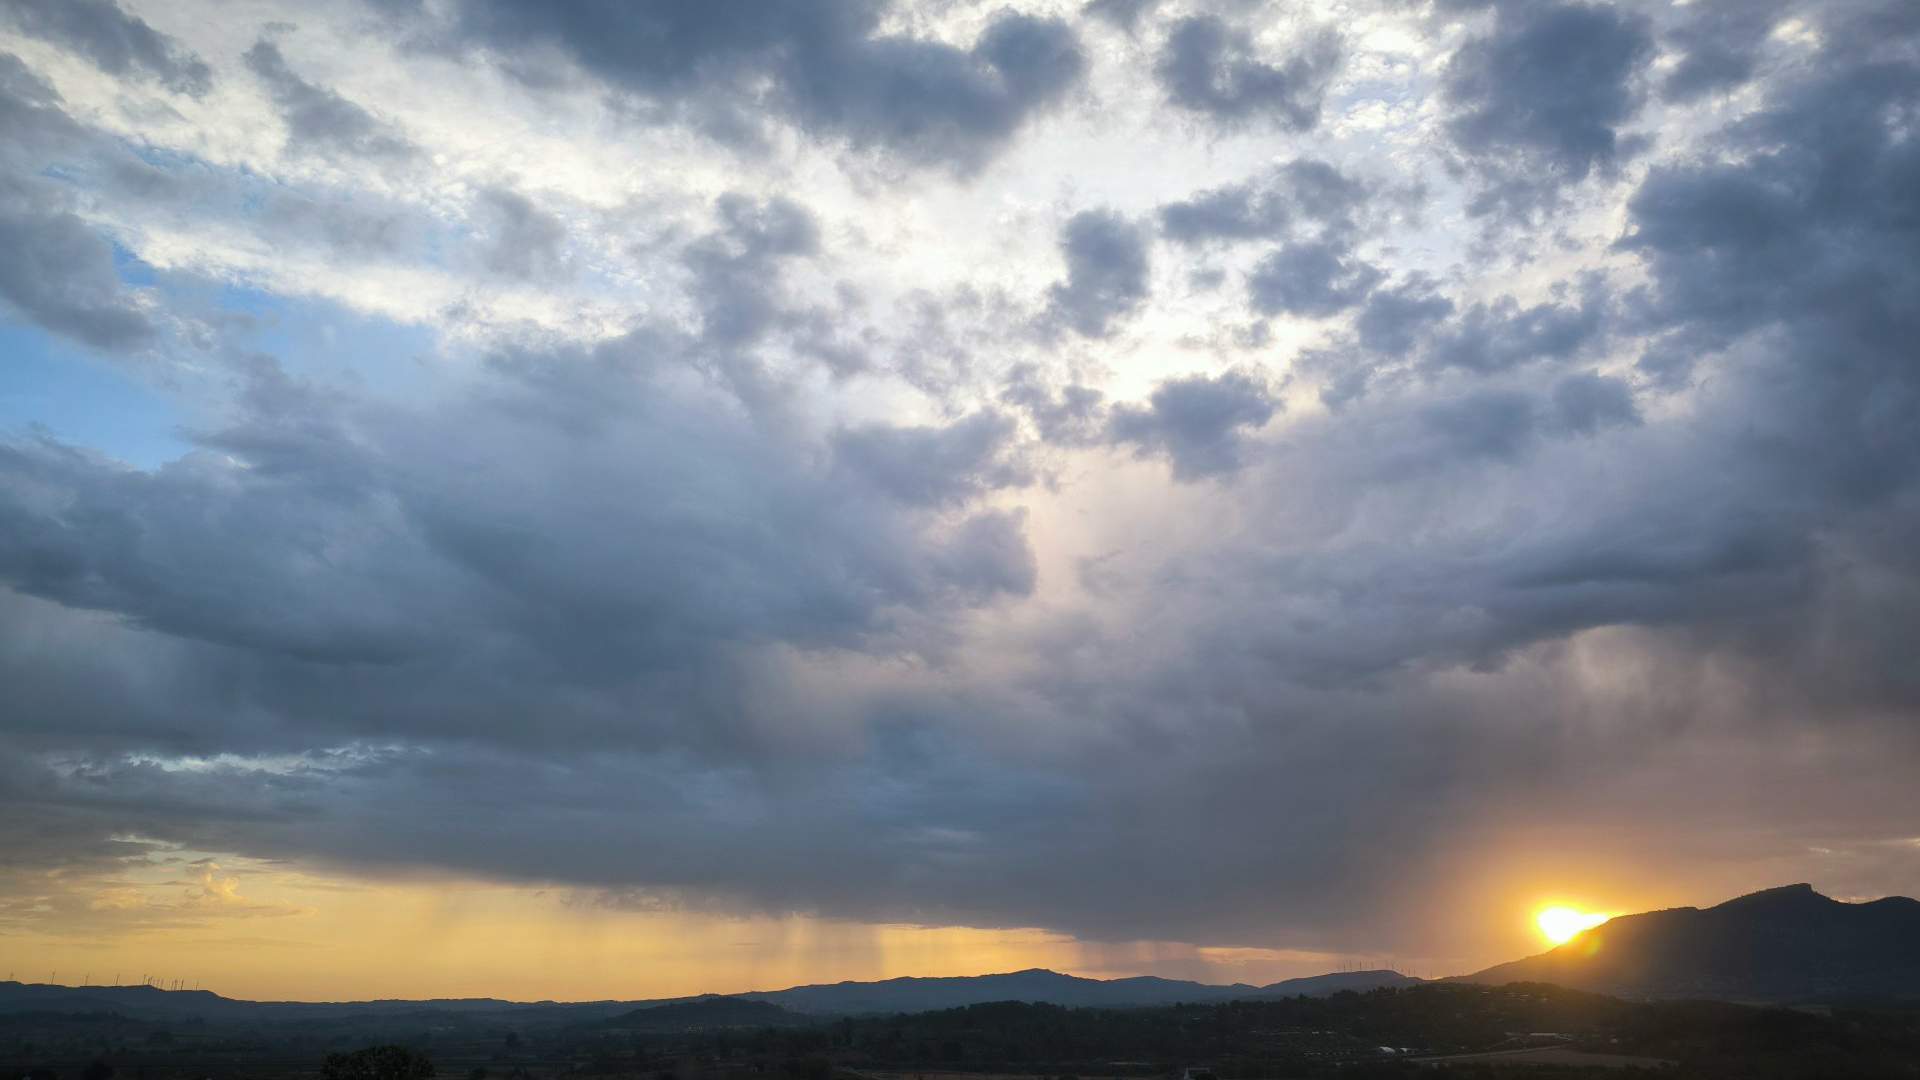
x: 597, y: 499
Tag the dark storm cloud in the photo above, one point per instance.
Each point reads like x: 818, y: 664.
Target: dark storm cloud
x: 1487, y: 423
x: 113, y: 543
x: 319, y: 121
x: 1806, y: 230
x: 1783, y: 262
x: 1315, y: 280
x: 1198, y: 423
x: 988, y: 557
x: 1586, y: 402
x: 117, y: 43
x: 1539, y: 101
x: 351, y: 532
x: 1412, y: 332
x: 1107, y: 273
x: 1719, y: 42
x: 1394, y: 319
x: 1325, y: 194
x: 1263, y: 207
x: 934, y: 465
x: 734, y: 267
x: 1503, y: 335
x: 59, y: 272
x: 30, y: 112
x: 824, y: 67
x: 375, y: 582
x: 1209, y: 66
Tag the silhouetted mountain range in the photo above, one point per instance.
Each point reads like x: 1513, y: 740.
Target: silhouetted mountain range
x: 1053, y: 988
x: 127, y: 1000
x: 151, y: 1002
x: 707, y: 1010
x: 1787, y: 944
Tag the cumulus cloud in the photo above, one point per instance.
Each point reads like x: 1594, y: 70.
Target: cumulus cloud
x: 1211, y: 67
x: 1502, y: 335
x: 827, y: 68
x: 1801, y: 231
x: 1539, y: 101
x: 1413, y: 332
x: 1310, y: 279
x: 735, y: 266
x: 1263, y: 207
x: 1395, y: 318
x: 1198, y: 423
x: 1068, y: 415
x: 1107, y: 273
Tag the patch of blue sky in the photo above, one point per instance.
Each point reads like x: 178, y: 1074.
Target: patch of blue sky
x: 335, y: 344
x: 142, y: 412
x: 140, y: 416
x: 132, y: 269
x: 53, y: 387
x: 161, y: 157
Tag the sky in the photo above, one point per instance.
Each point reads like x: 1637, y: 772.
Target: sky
x: 617, y: 500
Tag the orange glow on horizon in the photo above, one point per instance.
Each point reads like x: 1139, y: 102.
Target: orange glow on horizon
x: 270, y: 931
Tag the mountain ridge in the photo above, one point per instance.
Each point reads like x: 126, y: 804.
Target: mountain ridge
x: 1784, y: 944
x: 920, y: 993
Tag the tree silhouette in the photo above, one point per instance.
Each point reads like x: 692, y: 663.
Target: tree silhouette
x: 377, y: 1063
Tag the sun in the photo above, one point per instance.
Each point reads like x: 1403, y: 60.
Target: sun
x: 1560, y: 924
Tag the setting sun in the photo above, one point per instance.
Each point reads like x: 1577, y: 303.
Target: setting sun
x: 1560, y: 924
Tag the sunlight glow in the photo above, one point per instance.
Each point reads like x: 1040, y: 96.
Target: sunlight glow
x: 1560, y: 924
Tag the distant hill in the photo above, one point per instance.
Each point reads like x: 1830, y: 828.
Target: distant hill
x: 1033, y: 985
x: 153, y: 1003
x: 1322, y: 985
x: 1789, y: 944
x: 707, y: 1014
x: 1042, y: 986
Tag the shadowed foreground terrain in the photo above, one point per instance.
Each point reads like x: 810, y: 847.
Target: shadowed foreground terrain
x: 1387, y: 1032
